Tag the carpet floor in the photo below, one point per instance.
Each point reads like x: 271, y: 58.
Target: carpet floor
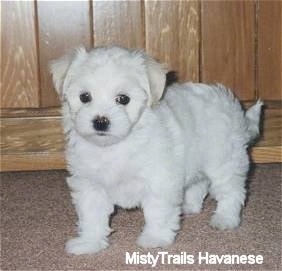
x: 37, y: 218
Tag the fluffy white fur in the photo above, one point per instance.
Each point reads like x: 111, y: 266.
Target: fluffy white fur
x: 163, y: 155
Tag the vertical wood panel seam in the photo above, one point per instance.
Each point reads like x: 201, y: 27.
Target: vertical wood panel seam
x: 36, y: 29
x: 256, y: 50
x: 93, y: 23
x: 200, y: 43
x: 144, y: 23
x: 91, y: 18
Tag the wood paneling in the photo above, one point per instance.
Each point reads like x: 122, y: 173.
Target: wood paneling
x: 30, y: 112
x: 118, y: 22
x: 228, y: 45
x: 19, y: 72
x: 272, y: 128
x: 62, y: 26
x: 172, y: 35
x: 237, y: 43
x: 270, y: 50
x: 31, y: 135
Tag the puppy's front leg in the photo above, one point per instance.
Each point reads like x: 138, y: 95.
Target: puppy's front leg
x: 161, y: 223
x: 93, y: 209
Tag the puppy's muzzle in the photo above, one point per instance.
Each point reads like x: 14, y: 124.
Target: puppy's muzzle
x: 101, y: 124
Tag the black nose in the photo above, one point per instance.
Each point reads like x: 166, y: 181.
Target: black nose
x: 101, y: 123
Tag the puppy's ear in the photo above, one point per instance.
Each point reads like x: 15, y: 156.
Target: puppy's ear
x: 60, y: 68
x: 156, y: 73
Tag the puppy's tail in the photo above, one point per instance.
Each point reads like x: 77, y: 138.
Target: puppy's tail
x: 253, y: 120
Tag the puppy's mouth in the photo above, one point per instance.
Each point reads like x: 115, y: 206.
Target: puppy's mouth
x: 102, y: 134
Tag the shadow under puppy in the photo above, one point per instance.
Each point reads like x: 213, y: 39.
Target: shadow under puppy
x: 127, y: 147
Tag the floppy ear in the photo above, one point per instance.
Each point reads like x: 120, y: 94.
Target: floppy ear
x: 156, y: 73
x: 60, y: 68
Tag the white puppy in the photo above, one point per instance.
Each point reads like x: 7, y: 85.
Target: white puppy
x: 129, y: 146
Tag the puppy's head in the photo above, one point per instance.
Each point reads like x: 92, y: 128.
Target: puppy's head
x: 106, y: 90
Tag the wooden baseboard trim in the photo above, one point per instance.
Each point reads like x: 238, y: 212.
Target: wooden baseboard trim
x: 49, y: 161
x: 271, y: 154
x: 32, y: 161
x: 36, y: 141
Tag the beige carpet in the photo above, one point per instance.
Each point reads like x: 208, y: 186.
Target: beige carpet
x: 37, y: 218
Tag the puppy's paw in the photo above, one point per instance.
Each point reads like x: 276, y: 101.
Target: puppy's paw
x: 147, y: 240
x: 222, y: 222
x: 82, y: 245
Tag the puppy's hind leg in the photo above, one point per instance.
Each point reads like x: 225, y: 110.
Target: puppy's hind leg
x: 194, y: 197
x: 228, y: 188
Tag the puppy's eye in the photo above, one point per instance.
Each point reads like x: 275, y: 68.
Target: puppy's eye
x: 122, y: 99
x: 85, y: 97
